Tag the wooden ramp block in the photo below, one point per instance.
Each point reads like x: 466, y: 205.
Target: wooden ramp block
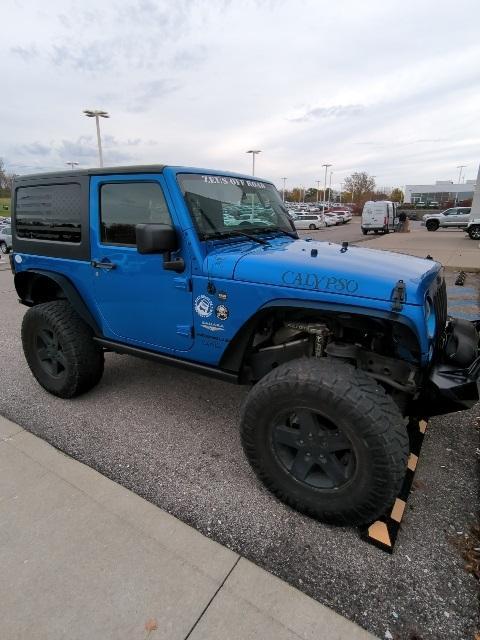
x: 383, y: 532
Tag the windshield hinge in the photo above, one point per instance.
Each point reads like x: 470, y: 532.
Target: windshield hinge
x: 182, y: 283
x: 399, y: 296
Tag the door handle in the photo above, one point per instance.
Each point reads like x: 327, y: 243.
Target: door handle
x: 103, y: 265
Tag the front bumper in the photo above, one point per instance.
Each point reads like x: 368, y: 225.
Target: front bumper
x: 454, y: 381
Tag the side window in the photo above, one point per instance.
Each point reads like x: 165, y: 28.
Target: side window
x: 49, y: 212
x: 449, y: 212
x: 126, y: 204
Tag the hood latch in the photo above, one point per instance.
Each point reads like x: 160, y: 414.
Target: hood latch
x: 399, y: 296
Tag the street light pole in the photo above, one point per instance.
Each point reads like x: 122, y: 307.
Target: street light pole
x: 97, y: 114
x: 330, y: 188
x: 254, y: 153
x: 461, y: 167
x: 72, y: 164
x: 325, y: 183
x: 284, y: 183
x: 318, y: 190
x: 341, y: 189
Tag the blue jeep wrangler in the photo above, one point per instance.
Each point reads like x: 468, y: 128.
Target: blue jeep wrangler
x: 204, y: 270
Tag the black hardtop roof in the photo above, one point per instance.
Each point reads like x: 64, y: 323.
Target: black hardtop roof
x: 141, y: 168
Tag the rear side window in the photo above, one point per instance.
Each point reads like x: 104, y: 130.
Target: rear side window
x: 49, y: 212
x: 126, y: 204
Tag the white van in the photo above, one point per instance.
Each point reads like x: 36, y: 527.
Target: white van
x: 379, y: 217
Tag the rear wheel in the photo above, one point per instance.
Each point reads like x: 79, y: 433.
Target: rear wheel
x: 312, y: 227
x: 60, y: 350
x: 432, y: 225
x: 326, y: 439
x: 474, y: 232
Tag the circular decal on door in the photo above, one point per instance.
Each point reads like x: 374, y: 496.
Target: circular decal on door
x: 203, y: 306
x: 221, y: 312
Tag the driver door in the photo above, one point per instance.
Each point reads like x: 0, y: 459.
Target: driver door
x: 139, y: 301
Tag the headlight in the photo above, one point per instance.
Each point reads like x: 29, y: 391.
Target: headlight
x: 430, y: 319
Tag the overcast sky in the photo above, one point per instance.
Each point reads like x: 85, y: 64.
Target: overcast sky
x: 390, y: 87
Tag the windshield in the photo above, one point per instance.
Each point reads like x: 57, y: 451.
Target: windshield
x: 224, y: 205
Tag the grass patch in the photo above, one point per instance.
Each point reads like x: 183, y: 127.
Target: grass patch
x: 4, y: 202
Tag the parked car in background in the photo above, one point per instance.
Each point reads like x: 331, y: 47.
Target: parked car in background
x: 5, y: 239
x: 456, y: 217
x: 331, y: 219
x: 473, y: 226
x: 345, y: 215
x: 313, y: 221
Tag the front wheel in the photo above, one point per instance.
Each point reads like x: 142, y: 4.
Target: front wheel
x: 326, y: 439
x: 312, y: 227
x: 432, y: 225
x: 364, y: 231
x: 474, y: 232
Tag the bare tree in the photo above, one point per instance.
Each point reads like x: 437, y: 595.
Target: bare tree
x: 6, y: 180
x: 397, y: 195
x: 360, y: 185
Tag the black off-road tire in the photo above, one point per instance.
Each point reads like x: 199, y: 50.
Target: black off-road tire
x: 59, y: 349
x: 432, y: 225
x: 363, y: 414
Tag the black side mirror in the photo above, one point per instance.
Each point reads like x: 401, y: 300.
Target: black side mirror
x: 159, y: 238
x: 156, y: 238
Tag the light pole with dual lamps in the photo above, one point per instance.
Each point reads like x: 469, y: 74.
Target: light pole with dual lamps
x: 325, y: 183
x: 97, y: 114
x: 254, y: 153
x: 284, y: 183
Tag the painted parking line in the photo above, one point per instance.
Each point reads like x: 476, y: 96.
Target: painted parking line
x: 463, y: 302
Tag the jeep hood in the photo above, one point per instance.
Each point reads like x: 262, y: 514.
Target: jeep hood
x: 325, y: 267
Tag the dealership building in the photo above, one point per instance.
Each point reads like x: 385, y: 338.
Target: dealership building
x: 441, y: 191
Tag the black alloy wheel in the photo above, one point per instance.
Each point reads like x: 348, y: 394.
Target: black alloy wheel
x: 313, y: 450
x: 49, y: 353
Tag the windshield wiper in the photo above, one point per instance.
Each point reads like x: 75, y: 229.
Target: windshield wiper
x: 290, y: 234
x: 235, y: 232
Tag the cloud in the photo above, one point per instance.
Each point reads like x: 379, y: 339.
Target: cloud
x: 35, y: 149
x: 96, y: 57
x: 26, y: 53
x: 188, y: 58
x: 149, y: 92
x: 335, y: 111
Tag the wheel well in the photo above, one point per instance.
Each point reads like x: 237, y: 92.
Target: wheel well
x: 280, y: 334
x: 36, y: 287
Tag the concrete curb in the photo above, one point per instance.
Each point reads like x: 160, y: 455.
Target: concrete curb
x: 93, y: 560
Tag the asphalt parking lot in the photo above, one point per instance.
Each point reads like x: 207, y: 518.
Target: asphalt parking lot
x: 172, y: 437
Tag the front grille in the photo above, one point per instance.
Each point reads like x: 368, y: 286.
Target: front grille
x: 440, y: 306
